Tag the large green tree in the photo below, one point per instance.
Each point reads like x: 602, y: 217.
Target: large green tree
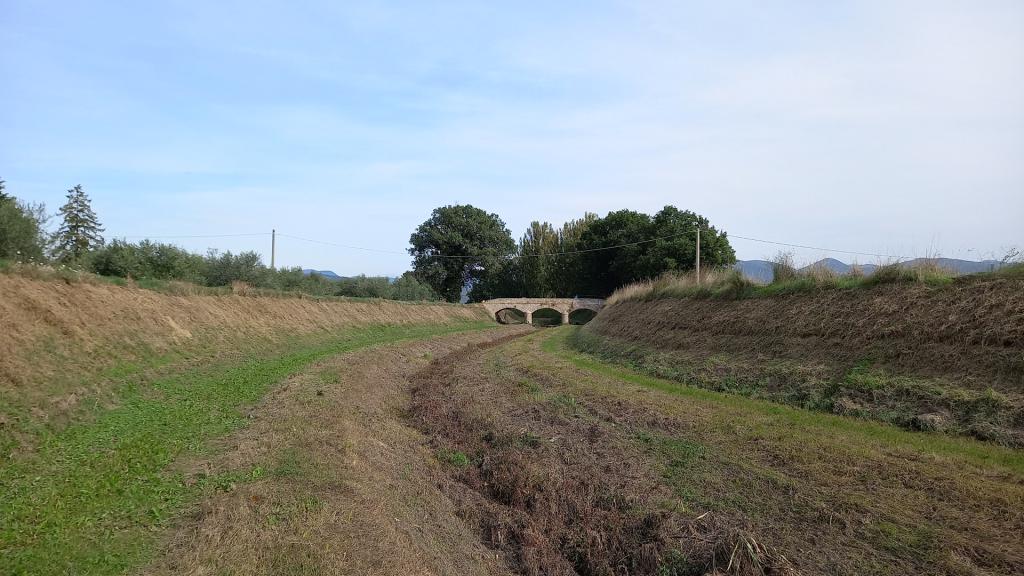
x: 614, y: 257
x: 23, y: 235
x: 80, y: 230
x: 675, y: 238
x: 458, y: 246
x: 568, y: 276
x: 538, y: 251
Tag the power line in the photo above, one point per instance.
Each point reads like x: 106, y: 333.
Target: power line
x: 535, y: 255
x: 193, y: 235
x: 818, y: 248
x: 283, y: 235
x: 565, y: 253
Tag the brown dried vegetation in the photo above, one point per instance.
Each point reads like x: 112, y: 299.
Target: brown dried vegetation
x: 563, y: 493
x: 55, y: 336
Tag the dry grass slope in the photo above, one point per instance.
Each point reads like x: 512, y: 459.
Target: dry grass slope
x: 911, y: 353
x: 54, y: 335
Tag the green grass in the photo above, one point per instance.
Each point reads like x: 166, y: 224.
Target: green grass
x: 93, y: 496
x: 865, y: 390
x: 970, y: 451
x: 453, y: 458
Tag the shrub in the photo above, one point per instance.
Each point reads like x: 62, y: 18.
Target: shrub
x: 783, y: 269
x: 364, y: 287
x: 223, y: 269
x: 147, y: 260
x: 22, y: 234
x: 407, y: 287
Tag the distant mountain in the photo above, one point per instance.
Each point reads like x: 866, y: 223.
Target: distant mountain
x: 331, y: 275
x: 960, y: 266
x: 761, y: 270
x: 325, y: 273
x: 757, y: 270
x: 841, y: 268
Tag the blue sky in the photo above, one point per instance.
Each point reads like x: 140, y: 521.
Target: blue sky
x: 885, y: 127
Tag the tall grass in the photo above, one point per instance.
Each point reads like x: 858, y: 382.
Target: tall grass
x: 731, y: 284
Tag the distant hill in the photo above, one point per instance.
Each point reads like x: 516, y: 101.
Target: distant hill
x: 325, y: 273
x: 757, y: 270
x: 841, y: 268
x: 961, y: 266
x: 331, y: 275
x: 761, y: 270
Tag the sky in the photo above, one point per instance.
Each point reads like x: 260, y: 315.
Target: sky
x: 888, y: 127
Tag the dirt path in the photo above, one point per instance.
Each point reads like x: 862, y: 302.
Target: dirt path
x: 332, y: 480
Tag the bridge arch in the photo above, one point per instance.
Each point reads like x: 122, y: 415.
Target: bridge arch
x: 527, y: 306
x: 510, y: 316
x: 581, y: 316
x: 547, y: 317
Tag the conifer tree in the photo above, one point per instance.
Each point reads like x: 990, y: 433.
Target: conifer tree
x: 80, y: 230
x: 3, y: 191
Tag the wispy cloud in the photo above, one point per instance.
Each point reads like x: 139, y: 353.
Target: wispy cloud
x: 858, y: 125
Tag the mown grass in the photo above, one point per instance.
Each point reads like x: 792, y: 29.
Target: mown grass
x: 730, y: 284
x: 836, y: 495
x: 864, y: 390
x: 92, y: 497
x: 970, y: 451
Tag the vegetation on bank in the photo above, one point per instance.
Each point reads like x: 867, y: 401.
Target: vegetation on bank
x: 836, y: 495
x: 865, y: 391
x: 594, y: 466
x: 731, y: 284
x: 97, y: 490
x: 78, y: 246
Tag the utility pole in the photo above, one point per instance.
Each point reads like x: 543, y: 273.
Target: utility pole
x: 698, y: 253
x: 273, y: 247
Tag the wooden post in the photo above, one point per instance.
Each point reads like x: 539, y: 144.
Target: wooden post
x: 273, y: 247
x: 698, y: 253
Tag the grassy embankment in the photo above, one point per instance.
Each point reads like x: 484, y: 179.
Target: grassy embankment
x: 912, y: 347
x: 833, y: 493
x: 732, y: 285
x: 973, y: 452
x: 175, y: 287
x: 85, y: 480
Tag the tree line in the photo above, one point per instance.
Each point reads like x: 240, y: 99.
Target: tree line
x: 458, y: 248
x: 78, y: 242
x: 463, y: 246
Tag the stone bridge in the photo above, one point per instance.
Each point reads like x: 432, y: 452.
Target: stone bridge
x: 567, y: 306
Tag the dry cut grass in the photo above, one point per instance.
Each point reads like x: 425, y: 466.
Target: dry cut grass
x: 331, y: 480
x: 62, y: 341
